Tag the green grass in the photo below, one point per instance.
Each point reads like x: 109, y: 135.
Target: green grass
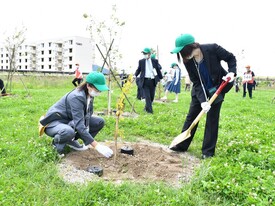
x: 241, y: 173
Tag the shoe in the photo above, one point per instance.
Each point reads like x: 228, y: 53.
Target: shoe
x: 175, y: 100
x: 164, y: 98
x: 76, y: 146
x: 177, y: 149
x: 206, y: 156
x: 60, y: 153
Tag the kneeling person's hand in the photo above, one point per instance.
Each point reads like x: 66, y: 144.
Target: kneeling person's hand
x: 104, y: 150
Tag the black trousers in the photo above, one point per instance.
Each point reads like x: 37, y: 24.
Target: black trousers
x: 249, y: 88
x: 149, y: 89
x: 77, y: 80
x: 211, y: 126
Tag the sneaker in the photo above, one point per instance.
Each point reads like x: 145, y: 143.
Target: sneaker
x: 164, y: 98
x: 60, y: 153
x: 175, y: 100
x: 76, y: 146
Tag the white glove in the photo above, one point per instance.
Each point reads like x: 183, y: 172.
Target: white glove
x: 229, y: 75
x: 205, y: 106
x: 104, y: 150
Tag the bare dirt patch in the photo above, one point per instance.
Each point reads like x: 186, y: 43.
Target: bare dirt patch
x: 150, y: 162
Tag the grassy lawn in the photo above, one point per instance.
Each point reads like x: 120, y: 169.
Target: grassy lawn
x: 241, y: 173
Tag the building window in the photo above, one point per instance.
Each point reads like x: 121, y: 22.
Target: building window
x: 2, y: 55
x: 50, y: 59
x: 26, y: 67
x: 70, y: 58
x: 20, y: 54
x: 42, y: 59
x: 70, y: 66
x: 26, y: 60
x: 50, y: 51
x: 42, y: 45
x: 50, y: 43
x: 7, y: 61
x: 19, y: 67
x: 26, y: 53
x: 19, y: 60
x: 70, y: 50
x: 71, y: 42
x: 7, y: 55
x: 50, y: 66
x: 42, y: 52
x: 42, y: 66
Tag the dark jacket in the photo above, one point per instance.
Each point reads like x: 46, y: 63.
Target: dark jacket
x: 213, y: 54
x: 141, y: 70
x: 71, y: 109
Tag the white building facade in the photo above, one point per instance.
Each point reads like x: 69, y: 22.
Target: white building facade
x: 53, y: 55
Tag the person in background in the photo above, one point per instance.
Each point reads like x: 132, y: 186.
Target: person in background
x: 78, y: 76
x: 203, y: 64
x: 123, y: 77
x: 150, y: 74
x: 248, y: 81
x: 237, y: 83
x: 175, y: 85
x: 167, y: 78
x: 2, y: 88
x: 70, y: 118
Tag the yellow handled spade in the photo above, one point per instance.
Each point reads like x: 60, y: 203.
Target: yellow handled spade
x: 187, y: 133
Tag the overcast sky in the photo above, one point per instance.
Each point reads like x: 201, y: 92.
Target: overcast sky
x: 242, y: 27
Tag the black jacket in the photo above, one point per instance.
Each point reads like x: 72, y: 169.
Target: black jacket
x: 213, y: 54
x: 141, y: 70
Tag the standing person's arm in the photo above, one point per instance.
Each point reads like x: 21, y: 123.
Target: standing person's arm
x: 138, y: 69
x: 177, y: 76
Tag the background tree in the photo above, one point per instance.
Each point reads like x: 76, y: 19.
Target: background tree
x: 12, y: 43
x: 107, y: 33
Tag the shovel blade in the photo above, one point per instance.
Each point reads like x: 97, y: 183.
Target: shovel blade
x: 180, y: 138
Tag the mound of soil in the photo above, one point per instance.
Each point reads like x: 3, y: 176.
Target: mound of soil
x: 150, y: 162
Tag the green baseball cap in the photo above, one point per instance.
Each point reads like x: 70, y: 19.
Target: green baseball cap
x: 173, y: 64
x: 146, y: 51
x: 98, y: 80
x: 182, y: 41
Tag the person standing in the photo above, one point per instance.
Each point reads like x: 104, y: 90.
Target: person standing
x: 78, y: 76
x: 237, y: 82
x: 167, y: 78
x: 175, y: 85
x: 150, y: 74
x: 248, y: 81
x: 203, y: 64
x: 70, y: 118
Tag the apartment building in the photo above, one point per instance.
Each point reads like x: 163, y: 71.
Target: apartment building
x: 52, y: 55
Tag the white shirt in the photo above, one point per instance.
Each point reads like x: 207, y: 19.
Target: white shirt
x: 149, y: 69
